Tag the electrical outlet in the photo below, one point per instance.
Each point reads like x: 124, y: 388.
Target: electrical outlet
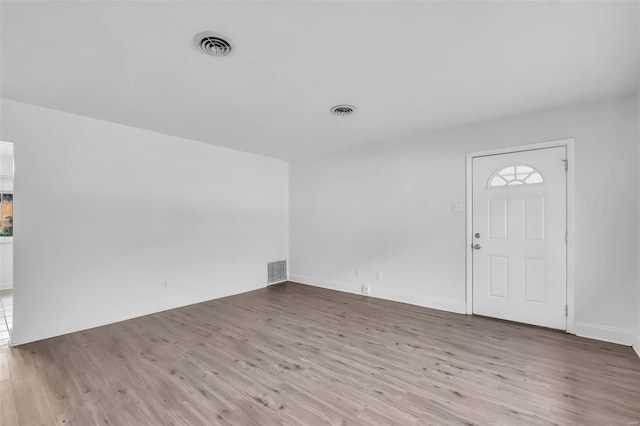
x: 366, y: 289
x: 357, y: 272
x: 164, y: 284
x: 378, y: 275
x: 457, y: 208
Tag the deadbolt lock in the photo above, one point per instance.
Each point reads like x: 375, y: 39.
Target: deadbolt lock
x: 477, y: 235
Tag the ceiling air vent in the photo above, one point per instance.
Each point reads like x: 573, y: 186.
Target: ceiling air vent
x: 213, y: 44
x: 343, y: 110
x: 277, y: 272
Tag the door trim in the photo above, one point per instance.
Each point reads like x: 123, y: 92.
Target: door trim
x: 570, y: 146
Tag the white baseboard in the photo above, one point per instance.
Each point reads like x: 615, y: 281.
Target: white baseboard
x: 427, y: 302
x: 22, y: 335
x: 591, y: 331
x: 606, y: 334
x: 277, y: 282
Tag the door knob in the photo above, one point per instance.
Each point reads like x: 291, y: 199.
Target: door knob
x: 476, y: 247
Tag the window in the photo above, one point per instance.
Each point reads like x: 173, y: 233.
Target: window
x: 6, y: 214
x: 516, y: 174
x: 6, y: 192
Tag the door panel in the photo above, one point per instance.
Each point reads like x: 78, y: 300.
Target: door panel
x: 498, y: 218
x: 534, y: 218
x: 519, y: 224
x: 498, y: 276
x: 535, y: 280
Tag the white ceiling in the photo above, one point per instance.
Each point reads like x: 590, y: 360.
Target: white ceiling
x: 408, y: 67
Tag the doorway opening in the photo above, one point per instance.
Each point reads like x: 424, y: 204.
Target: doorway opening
x: 519, y: 229
x: 6, y: 242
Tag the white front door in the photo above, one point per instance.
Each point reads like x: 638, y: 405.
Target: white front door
x: 519, y: 237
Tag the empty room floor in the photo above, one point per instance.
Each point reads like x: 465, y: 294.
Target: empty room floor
x: 294, y: 354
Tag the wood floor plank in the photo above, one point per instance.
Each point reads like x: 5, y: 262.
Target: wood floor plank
x: 8, y: 416
x: 294, y: 354
x: 32, y: 403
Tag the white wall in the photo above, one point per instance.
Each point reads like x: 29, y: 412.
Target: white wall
x: 637, y: 343
x: 6, y: 243
x: 388, y: 208
x: 105, y: 213
x: 6, y: 265
x: 93, y: 206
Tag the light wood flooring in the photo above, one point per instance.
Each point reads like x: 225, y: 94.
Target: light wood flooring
x: 294, y: 354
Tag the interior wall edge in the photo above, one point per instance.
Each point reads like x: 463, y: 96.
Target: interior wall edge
x: 586, y: 330
x: 10, y: 100
x: 37, y: 332
x: 605, y: 334
x: 425, y: 228
x: 425, y: 302
x: 229, y: 207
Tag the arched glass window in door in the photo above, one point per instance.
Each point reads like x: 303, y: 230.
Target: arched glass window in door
x: 515, y: 174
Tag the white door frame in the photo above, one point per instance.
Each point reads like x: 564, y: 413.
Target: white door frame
x: 570, y: 146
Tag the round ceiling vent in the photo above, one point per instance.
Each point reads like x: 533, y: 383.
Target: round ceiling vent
x: 213, y: 44
x: 343, y: 110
